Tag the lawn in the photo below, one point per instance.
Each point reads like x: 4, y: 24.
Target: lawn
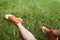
x: 35, y: 13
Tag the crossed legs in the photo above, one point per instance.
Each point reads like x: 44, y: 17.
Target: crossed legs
x: 53, y: 34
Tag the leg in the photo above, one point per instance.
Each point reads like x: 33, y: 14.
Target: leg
x: 25, y: 33
x: 50, y: 33
x: 57, y: 32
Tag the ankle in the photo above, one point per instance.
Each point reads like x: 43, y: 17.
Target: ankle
x: 19, y: 24
x: 57, y: 33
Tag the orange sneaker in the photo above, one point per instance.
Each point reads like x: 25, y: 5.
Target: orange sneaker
x: 13, y: 19
x: 49, y: 33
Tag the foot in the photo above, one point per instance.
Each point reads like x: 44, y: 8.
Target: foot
x: 13, y: 19
x: 49, y: 33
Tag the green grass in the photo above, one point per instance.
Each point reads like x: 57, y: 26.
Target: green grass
x: 35, y: 13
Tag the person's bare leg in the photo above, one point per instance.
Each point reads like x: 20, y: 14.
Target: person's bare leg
x: 57, y: 32
x: 18, y: 21
x: 50, y: 33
